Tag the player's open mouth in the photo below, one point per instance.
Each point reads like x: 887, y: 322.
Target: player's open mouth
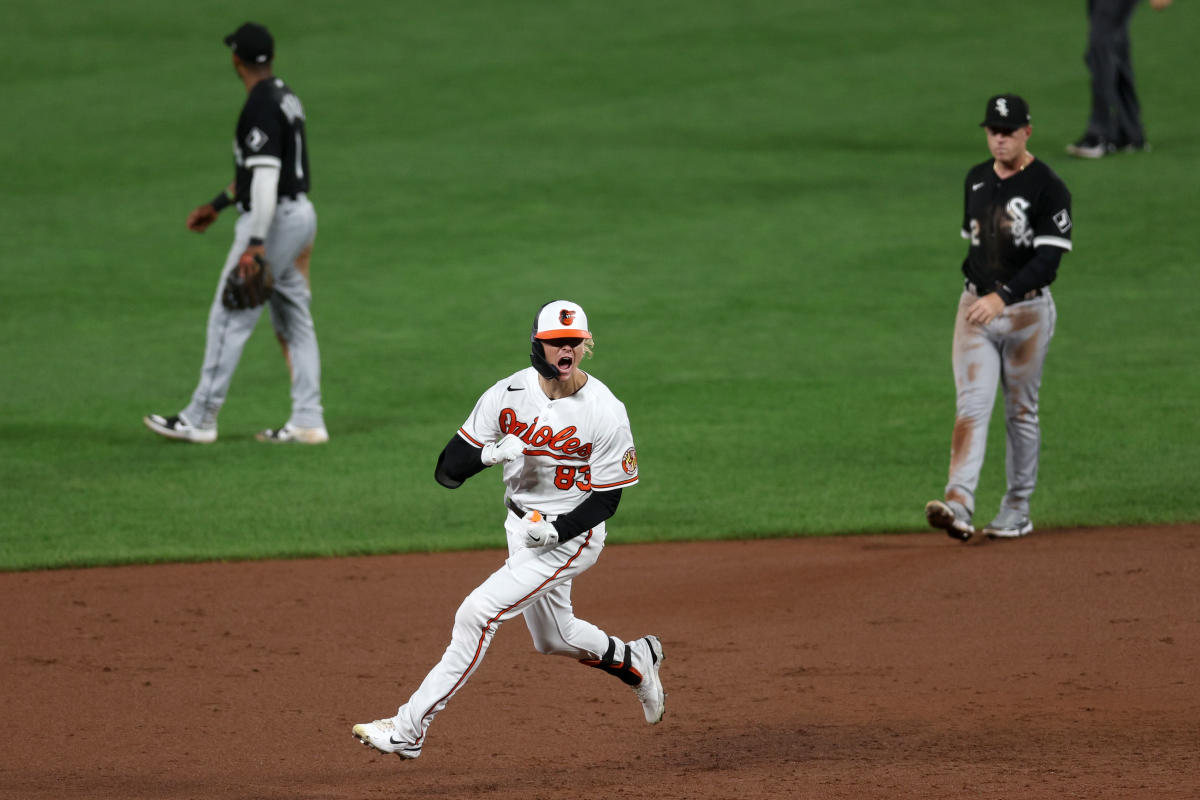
x: 564, y: 364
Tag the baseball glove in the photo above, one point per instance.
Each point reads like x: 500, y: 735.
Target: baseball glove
x: 252, y: 290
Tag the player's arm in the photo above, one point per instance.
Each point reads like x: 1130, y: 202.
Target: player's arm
x: 598, y: 507
x: 264, y: 194
x: 1039, y: 271
x: 457, y: 462
x: 1051, y: 238
x: 460, y: 459
x: 206, y: 214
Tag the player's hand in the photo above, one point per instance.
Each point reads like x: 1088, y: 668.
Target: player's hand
x: 250, y: 262
x: 1159, y: 5
x: 540, y: 533
x: 985, y: 309
x: 507, y: 449
x: 201, y: 217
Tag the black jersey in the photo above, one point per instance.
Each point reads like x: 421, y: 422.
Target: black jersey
x: 270, y: 132
x: 1005, y: 220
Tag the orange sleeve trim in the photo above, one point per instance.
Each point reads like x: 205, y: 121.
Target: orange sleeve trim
x: 467, y: 436
x: 632, y: 480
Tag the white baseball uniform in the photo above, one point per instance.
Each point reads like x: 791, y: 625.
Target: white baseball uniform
x: 573, y: 446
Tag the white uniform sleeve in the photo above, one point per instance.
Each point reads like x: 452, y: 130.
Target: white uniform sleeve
x: 483, y: 425
x: 264, y: 189
x: 613, y: 460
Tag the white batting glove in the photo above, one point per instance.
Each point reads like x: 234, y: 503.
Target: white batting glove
x: 540, y: 533
x: 507, y: 449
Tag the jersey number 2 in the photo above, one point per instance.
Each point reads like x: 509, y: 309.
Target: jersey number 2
x: 564, y: 477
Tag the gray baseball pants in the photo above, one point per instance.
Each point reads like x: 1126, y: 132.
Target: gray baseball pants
x: 289, y: 239
x: 1009, y: 351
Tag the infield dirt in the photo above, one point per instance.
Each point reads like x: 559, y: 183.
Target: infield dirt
x: 1060, y: 665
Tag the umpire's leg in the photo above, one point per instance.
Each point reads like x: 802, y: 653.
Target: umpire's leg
x: 1108, y: 27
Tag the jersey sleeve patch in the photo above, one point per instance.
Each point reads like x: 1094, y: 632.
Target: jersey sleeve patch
x: 1062, y: 221
x: 629, y: 462
x: 255, y: 139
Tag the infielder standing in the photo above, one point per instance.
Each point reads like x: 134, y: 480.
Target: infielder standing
x: 567, y: 452
x: 1017, y: 222
x: 277, y: 223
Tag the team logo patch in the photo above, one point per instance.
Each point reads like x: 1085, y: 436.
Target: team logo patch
x: 629, y: 462
x: 1002, y: 106
x: 1062, y: 221
x: 255, y: 139
x: 566, y: 316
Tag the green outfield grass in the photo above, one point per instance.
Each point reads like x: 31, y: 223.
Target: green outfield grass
x: 757, y: 203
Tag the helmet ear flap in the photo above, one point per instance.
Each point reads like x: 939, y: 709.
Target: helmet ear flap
x: 536, y: 355
x: 544, y: 367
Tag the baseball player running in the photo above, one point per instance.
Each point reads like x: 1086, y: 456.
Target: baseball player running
x: 273, y: 236
x: 566, y: 449
x: 1017, y: 222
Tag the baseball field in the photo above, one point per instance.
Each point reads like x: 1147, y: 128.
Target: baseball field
x: 758, y: 204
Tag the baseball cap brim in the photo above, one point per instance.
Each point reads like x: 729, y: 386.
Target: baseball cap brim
x: 565, y: 333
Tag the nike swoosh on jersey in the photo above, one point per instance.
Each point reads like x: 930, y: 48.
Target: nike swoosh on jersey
x: 515, y: 389
x: 976, y: 186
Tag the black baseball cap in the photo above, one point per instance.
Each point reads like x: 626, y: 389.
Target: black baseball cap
x: 1007, y: 111
x: 253, y: 43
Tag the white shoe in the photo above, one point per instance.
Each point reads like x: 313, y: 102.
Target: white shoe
x: 290, y: 434
x: 1009, y: 524
x: 178, y: 427
x: 381, y: 734
x: 650, y: 691
x: 951, y: 517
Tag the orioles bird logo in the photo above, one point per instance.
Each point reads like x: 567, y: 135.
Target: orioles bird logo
x: 566, y: 316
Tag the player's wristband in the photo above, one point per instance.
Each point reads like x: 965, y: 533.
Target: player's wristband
x: 255, y: 241
x: 222, y: 200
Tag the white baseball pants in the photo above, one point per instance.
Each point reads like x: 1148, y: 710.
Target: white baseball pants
x: 533, y: 582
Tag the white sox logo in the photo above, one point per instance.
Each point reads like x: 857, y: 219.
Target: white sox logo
x: 1002, y: 106
x: 562, y: 444
x: 1019, y: 228
x: 255, y: 139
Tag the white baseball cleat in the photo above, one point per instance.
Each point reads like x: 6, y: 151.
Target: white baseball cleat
x: 289, y: 434
x: 381, y: 734
x: 950, y: 517
x: 650, y: 691
x: 178, y: 427
x: 1009, y: 524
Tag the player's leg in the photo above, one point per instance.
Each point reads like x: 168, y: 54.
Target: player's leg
x: 524, y: 578
x: 976, y: 364
x: 290, y: 247
x: 228, y: 331
x: 557, y: 631
x: 1025, y: 347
